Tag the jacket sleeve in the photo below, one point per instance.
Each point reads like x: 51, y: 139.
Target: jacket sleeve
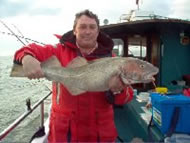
x: 39, y: 52
x: 124, y: 97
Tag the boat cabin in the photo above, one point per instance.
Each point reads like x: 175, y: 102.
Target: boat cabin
x: 165, y: 43
x: 162, y: 42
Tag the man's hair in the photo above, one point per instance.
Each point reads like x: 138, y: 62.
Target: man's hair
x: 87, y: 13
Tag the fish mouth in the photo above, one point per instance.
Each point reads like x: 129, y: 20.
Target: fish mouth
x: 152, y: 79
x: 147, y: 78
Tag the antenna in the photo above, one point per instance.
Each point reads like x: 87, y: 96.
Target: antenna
x: 137, y: 3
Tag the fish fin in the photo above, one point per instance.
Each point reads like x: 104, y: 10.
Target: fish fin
x: 77, y: 62
x: 17, y: 71
x: 51, y: 62
x: 125, y: 80
x: 75, y: 91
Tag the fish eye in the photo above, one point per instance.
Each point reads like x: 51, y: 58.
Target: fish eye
x: 142, y: 66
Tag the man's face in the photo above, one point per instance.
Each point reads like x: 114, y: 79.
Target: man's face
x: 86, y: 32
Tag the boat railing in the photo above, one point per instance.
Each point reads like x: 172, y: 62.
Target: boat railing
x: 129, y: 17
x: 25, y: 114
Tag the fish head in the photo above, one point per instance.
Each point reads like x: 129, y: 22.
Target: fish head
x: 137, y: 71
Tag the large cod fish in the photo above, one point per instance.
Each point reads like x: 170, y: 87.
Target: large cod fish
x: 81, y: 76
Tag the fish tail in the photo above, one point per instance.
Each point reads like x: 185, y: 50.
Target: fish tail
x: 17, y: 71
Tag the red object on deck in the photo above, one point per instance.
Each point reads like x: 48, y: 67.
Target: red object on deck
x: 186, y: 92
x: 186, y: 78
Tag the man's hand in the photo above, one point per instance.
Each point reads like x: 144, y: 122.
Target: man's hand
x: 31, y: 67
x: 115, y: 84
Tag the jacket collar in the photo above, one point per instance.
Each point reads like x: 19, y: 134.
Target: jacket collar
x: 105, y: 43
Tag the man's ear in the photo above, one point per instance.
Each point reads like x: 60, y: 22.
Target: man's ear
x: 74, y: 32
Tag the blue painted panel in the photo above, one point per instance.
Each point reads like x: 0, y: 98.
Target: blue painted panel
x: 175, y: 60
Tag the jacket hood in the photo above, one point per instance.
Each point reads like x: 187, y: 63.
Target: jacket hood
x: 105, y: 43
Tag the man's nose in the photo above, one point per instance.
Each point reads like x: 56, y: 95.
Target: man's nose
x: 88, y: 30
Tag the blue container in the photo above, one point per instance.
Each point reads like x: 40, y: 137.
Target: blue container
x: 162, y: 110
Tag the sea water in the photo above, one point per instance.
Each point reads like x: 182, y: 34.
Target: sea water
x: 13, y: 94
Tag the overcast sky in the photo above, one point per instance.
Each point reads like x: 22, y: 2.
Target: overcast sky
x: 40, y: 19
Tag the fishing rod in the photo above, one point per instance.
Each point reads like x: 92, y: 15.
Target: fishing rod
x: 18, y: 37
x: 19, y: 32
x: 10, y: 34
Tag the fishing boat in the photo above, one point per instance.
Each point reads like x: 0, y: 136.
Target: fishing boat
x: 162, y: 41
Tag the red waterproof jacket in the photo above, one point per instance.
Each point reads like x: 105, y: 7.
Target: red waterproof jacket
x: 88, y: 117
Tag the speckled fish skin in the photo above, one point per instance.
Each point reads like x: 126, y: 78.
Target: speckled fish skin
x: 81, y: 76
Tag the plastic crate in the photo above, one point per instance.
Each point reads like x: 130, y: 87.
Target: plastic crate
x: 163, y: 108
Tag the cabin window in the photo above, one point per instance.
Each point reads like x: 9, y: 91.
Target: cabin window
x: 137, y: 47
x: 137, y: 51
x: 118, y: 47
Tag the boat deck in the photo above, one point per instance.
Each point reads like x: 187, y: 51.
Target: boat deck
x: 132, y: 122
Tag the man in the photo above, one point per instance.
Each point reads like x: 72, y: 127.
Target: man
x: 87, y: 117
